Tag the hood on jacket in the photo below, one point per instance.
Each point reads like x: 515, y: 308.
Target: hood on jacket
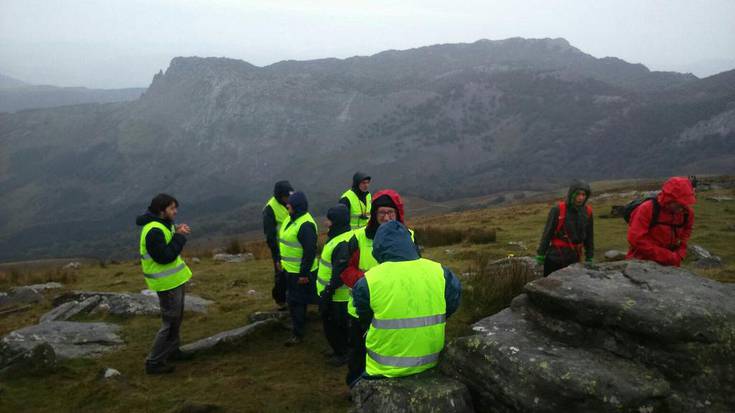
x: 356, y: 179
x: 340, y: 217
x: 393, y: 243
x: 148, y: 217
x: 386, y: 197
x: 677, y: 189
x: 281, y: 189
x: 298, y: 202
x: 576, y: 186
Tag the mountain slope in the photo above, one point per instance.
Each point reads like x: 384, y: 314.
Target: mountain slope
x: 436, y: 122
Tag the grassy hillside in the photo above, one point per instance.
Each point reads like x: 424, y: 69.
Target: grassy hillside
x: 262, y: 374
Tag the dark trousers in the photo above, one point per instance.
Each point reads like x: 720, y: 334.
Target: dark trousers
x: 357, y: 352
x: 298, y: 317
x: 554, y: 263
x: 172, y: 314
x: 279, y: 287
x: 336, y: 328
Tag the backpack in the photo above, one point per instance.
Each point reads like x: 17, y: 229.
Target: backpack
x: 563, y: 216
x: 632, y: 205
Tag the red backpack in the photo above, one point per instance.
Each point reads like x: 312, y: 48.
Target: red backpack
x: 560, y: 238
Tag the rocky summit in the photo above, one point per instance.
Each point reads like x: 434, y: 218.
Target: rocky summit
x: 625, y: 336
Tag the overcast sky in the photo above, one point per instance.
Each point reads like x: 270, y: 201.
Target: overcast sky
x: 111, y: 43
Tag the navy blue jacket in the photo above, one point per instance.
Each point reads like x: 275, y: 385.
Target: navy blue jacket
x: 393, y: 243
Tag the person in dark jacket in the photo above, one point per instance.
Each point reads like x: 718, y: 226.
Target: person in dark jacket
x: 357, y: 199
x: 157, y: 252
x: 274, y: 213
x: 393, y: 244
x: 333, y: 298
x: 665, y: 240
x: 300, y: 289
x: 568, y: 236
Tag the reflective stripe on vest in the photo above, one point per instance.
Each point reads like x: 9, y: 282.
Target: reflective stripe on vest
x: 324, y: 274
x: 289, y: 246
x: 367, y: 261
x: 161, y: 277
x: 358, y: 209
x: 397, y: 361
x: 407, y: 331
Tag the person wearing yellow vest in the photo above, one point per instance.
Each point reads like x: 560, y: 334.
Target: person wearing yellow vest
x: 297, y: 247
x: 406, y: 300
x: 274, y: 213
x: 333, y: 294
x: 357, y: 200
x: 386, y: 207
x: 166, y: 273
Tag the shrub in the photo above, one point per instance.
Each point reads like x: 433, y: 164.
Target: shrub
x: 437, y: 236
x: 233, y: 247
x: 489, y: 288
x: 481, y: 236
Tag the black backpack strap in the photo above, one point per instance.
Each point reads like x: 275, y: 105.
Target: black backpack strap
x: 654, y: 215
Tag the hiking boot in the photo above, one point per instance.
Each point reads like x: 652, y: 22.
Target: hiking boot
x: 179, y: 355
x: 293, y: 341
x: 159, y: 368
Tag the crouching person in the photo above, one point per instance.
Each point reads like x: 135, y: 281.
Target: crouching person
x: 166, y: 273
x: 405, y: 300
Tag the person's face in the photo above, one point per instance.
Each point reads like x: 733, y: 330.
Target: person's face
x: 580, y: 197
x: 170, y: 212
x: 386, y: 214
x: 284, y: 199
x: 328, y: 223
x: 674, y: 207
x: 364, y: 185
x: 290, y: 208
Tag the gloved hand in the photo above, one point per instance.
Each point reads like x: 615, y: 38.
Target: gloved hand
x: 540, y: 259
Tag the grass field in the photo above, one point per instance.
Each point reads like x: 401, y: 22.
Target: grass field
x: 263, y: 375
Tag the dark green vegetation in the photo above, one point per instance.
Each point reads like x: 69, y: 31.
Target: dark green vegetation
x: 438, y: 123
x: 262, y: 375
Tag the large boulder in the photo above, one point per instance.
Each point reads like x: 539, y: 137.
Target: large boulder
x: 68, y: 339
x: 125, y: 304
x: 427, y: 392
x: 229, y: 337
x: 23, y: 361
x: 624, y: 336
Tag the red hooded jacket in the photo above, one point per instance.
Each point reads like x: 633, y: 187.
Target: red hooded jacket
x: 353, y: 273
x: 666, y: 242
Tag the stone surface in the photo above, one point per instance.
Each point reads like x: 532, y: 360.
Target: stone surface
x: 20, y: 296
x: 68, y: 339
x: 69, y: 309
x: 74, y: 265
x: 227, y: 337
x: 709, y: 263
x: 614, y: 255
x: 23, y: 361
x: 268, y: 315
x: 130, y: 304
x: 623, y: 336
x: 233, y: 257
x: 720, y: 198
x: 697, y: 252
x: 427, y: 392
x: 42, y: 287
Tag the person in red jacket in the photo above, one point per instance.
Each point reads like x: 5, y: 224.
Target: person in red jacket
x: 664, y: 238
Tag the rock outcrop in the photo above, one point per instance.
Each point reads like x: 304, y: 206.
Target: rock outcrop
x: 428, y: 392
x: 68, y: 340
x: 626, y: 336
x: 120, y: 304
x: 228, y: 337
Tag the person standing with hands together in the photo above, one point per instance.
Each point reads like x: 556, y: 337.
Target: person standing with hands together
x: 166, y: 273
